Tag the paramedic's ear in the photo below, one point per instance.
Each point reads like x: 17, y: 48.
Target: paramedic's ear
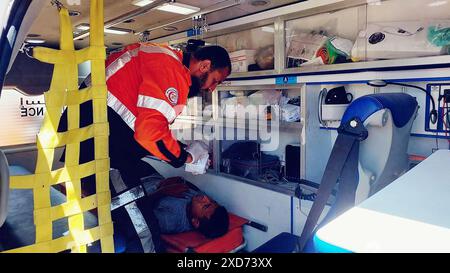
x: 195, y: 222
x: 205, y: 66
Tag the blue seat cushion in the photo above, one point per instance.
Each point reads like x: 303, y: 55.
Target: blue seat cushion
x: 282, y: 243
x: 402, y: 107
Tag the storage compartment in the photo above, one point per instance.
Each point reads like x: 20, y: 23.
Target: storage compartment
x: 250, y: 50
x: 395, y: 40
x: 256, y: 128
x: 381, y: 30
x: 242, y: 59
x: 320, y: 39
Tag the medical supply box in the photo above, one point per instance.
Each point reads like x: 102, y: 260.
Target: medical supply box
x: 240, y: 60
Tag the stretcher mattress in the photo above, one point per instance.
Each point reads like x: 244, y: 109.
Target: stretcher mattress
x: 193, y: 240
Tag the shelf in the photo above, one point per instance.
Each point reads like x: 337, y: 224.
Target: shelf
x: 378, y: 65
x: 237, y: 123
x: 396, y: 64
x: 243, y: 124
x: 287, y: 188
x: 190, y: 120
x: 252, y: 74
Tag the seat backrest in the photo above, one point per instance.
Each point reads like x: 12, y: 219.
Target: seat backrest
x: 4, y: 187
x: 388, y: 118
x: 369, y: 153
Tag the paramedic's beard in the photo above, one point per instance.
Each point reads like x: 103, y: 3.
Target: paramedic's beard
x: 196, y: 84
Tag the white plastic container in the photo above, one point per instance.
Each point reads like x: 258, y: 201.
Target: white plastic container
x: 240, y: 60
x: 333, y: 112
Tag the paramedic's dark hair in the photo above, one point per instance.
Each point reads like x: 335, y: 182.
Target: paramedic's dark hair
x: 217, y: 225
x: 216, y: 54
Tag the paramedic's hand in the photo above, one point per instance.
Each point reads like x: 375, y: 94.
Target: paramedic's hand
x: 197, y: 149
x: 200, y: 167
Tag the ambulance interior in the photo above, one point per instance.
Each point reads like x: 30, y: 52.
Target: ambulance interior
x: 358, y: 86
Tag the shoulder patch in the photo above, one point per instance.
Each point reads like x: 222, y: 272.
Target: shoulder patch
x: 172, y: 95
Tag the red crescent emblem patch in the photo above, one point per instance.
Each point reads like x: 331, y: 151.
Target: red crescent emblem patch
x: 172, y: 95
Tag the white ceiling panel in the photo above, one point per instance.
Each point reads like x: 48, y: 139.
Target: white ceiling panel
x: 47, y: 24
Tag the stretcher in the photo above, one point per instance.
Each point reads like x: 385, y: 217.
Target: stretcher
x: 195, y: 242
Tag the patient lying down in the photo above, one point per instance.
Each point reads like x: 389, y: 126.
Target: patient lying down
x: 179, y: 206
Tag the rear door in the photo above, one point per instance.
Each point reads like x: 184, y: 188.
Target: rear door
x: 16, y: 18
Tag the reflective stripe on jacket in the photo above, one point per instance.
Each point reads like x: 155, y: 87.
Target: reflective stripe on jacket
x: 148, y: 87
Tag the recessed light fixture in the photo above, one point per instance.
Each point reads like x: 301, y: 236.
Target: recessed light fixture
x: 35, y: 41
x: 178, y: 8
x: 74, y: 13
x: 170, y: 28
x: 129, y: 21
x: 32, y: 35
x: 142, y: 3
x: 259, y: 3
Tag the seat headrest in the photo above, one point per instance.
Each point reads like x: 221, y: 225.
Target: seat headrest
x: 402, y: 107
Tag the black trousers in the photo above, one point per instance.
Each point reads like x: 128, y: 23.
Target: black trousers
x: 126, y: 156
x: 124, y: 152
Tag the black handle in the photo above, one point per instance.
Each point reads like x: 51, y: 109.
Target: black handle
x: 258, y: 226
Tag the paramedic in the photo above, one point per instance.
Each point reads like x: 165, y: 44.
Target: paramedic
x: 148, y: 87
x: 180, y: 206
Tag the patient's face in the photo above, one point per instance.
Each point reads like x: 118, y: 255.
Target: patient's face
x: 202, y: 206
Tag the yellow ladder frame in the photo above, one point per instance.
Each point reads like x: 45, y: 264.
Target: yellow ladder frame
x: 64, y: 92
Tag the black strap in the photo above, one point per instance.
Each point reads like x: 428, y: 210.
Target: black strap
x: 342, y: 167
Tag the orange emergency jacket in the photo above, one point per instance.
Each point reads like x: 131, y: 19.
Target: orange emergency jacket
x: 148, y: 86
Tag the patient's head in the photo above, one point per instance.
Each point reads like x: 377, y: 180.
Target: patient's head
x: 208, y: 217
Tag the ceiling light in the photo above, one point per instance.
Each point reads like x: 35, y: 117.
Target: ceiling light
x: 178, y: 8
x: 142, y: 3
x: 83, y: 27
x: 268, y: 29
x: 111, y: 30
x: 119, y: 31
x: 437, y: 3
x: 170, y: 28
x: 35, y: 41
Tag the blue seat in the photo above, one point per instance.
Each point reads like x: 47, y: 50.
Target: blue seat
x: 402, y: 106
x: 282, y: 243
x: 383, y: 155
